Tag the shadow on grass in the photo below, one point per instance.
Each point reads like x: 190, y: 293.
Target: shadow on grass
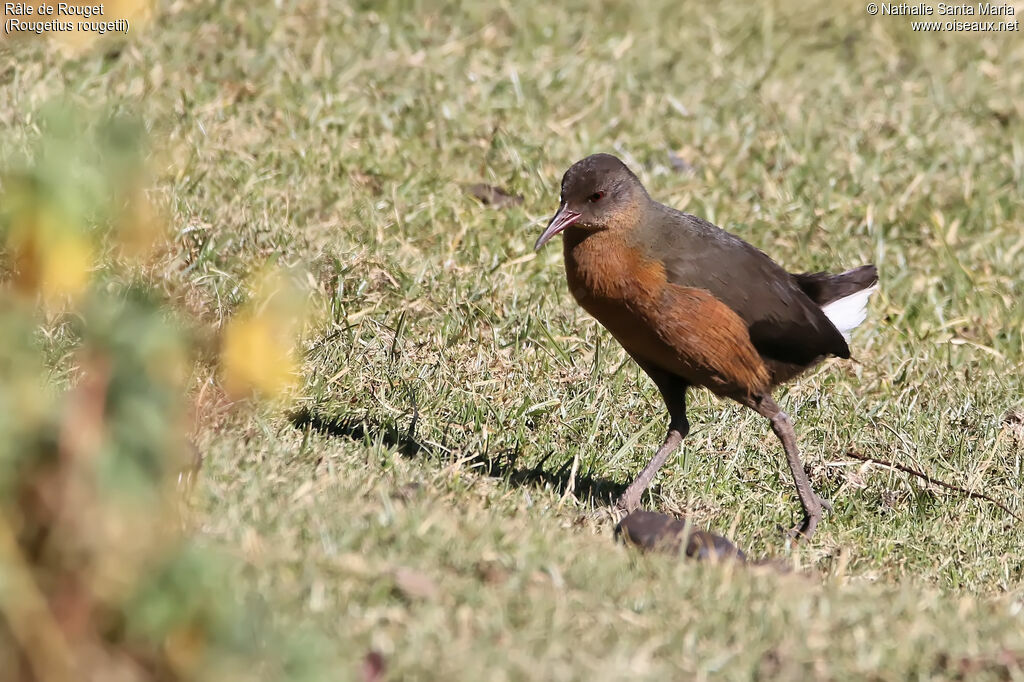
x: 504, y: 464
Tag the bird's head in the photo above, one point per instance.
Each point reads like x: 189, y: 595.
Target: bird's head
x: 598, y: 193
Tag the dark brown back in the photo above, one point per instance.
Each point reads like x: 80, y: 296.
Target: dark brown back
x: 785, y: 324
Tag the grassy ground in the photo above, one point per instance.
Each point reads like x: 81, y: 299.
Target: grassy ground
x: 339, y: 138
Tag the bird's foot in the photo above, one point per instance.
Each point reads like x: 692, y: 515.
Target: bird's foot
x: 628, y: 502
x: 615, y: 512
x: 805, y: 530
x: 812, y: 517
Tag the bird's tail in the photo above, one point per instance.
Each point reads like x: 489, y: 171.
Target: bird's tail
x: 843, y: 297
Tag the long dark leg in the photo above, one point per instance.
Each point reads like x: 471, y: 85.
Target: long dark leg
x: 783, y: 428
x: 673, y: 390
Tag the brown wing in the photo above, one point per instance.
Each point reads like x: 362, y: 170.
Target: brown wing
x: 783, y: 322
x: 711, y: 343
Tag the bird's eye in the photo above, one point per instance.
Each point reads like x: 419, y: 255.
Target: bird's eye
x: 596, y: 197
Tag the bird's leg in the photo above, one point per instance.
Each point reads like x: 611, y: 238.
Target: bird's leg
x: 783, y: 429
x: 673, y: 390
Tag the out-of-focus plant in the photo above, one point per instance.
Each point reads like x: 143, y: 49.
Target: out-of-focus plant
x: 62, y: 218
x: 97, y: 580
x: 258, y: 354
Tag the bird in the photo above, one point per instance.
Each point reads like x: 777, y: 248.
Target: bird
x: 696, y: 306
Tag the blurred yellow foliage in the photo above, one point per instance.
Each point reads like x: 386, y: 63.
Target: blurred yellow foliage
x: 256, y: 357
x: 258, y: 351
x: 52, y: 257
x: 140, y: 228
x: 185, y: 648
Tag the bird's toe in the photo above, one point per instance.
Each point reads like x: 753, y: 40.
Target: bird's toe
x: 805, y: 530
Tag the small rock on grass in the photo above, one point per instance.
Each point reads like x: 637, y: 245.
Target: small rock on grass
x: 652, y: 531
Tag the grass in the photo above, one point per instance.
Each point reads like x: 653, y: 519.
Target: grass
x: 339, y: 138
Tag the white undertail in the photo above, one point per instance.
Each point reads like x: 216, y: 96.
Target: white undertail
x: 848, y: 312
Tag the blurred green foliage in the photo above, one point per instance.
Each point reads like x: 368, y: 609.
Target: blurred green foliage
x: 98, y: 581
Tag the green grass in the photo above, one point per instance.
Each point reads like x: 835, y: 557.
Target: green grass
x: 339, y: 137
